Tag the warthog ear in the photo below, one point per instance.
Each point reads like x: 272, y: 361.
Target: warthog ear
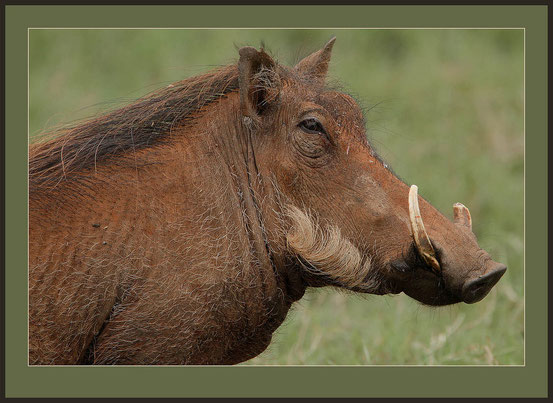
x: 315, y: 65
x: 258, y: 80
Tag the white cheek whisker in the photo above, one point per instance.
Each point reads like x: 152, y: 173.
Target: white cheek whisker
x: 326, y: 249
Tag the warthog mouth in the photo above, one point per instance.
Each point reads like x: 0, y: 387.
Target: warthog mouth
x: 432, y: 288
x: 411, y: 267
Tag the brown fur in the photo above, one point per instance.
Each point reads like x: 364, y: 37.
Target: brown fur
x: 144, y: 123
x: 181, y: 228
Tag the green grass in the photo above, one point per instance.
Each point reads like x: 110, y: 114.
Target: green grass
x: 444, y: 109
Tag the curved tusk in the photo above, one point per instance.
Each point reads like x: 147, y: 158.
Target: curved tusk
x: 461, y: 215
x: 422, y: 241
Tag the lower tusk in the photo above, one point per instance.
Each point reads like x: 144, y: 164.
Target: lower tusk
x: 422, y: 241
x: 461, y: 215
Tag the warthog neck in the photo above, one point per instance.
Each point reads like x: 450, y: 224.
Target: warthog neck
x: 167, y: 262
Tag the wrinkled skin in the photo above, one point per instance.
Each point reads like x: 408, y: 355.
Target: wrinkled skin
x: 336, y: 173
x: 184, y: 253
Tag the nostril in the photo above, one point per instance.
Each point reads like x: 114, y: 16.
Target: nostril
x: 476, y: 289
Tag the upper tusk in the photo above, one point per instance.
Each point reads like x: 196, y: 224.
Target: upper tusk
x: 422, y: 241
x: 461, y: 215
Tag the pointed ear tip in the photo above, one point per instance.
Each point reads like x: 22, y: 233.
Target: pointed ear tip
x: 330, y: 43
x: 247, y: 51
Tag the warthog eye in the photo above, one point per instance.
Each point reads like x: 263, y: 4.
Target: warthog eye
x: 312, y: 126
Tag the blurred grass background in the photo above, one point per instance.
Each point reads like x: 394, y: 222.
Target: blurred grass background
x: 444, y: 109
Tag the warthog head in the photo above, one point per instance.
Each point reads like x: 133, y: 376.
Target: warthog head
x: 345, y: 218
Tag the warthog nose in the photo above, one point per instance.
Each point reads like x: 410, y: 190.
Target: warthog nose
x: 476, y: 289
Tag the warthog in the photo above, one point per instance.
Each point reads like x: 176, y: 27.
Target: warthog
x: 181, y: 228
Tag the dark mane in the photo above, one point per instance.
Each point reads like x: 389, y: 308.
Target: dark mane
x: 141, y: 124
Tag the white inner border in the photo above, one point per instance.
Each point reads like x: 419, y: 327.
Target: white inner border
x: 318, y: 28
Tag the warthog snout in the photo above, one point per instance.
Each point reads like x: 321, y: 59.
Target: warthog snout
x: 455, y: 269
x: 477, y: 288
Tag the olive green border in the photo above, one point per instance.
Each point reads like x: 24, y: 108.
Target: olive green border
x: 528, y: 380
